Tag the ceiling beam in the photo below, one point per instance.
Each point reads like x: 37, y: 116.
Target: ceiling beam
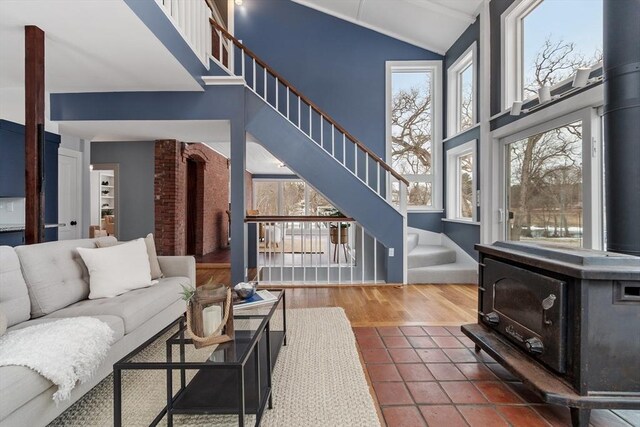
x: 444, y: 10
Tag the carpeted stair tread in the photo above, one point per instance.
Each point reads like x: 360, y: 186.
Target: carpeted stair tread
x: 457, y: 272
x: 429, y: 255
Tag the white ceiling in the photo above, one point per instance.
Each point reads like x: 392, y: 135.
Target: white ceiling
x: 96, y: 46
x: 431, y: 24
x: 214, y: 133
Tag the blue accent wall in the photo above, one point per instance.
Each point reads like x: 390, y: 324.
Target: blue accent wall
x: 338, y: 65
x: 430, y: 221
x: 464, y: 235
x: 136, y: 168
x: 470, y: 35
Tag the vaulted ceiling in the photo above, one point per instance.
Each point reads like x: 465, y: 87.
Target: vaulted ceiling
x: 431, y: 24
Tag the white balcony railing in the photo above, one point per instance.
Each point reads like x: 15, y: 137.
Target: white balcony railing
x: 313, y: 250
x: 192, y: 19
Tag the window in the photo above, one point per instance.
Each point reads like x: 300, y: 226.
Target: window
x: 545, y: 42
x: 413, y: 129
x: 461, y: 182
x: 289, y: 197
x: 461, y: 89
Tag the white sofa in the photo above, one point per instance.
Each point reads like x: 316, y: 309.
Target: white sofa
x: 43, y: 282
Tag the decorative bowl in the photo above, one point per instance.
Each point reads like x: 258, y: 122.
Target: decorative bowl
x: 245, y: 290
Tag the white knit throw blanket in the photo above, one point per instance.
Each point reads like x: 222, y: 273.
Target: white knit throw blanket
x: 63, y: 351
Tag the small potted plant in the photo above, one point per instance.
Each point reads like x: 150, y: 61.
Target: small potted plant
x: 338, y: 227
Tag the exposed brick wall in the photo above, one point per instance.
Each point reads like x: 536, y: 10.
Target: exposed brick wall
x: 212, y: 197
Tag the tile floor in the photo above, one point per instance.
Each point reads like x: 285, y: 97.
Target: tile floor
x: 430, y: 376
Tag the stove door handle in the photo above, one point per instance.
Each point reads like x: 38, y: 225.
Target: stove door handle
x: 547, y: 303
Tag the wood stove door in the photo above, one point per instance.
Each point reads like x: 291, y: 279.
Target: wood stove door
x: 529, y: 309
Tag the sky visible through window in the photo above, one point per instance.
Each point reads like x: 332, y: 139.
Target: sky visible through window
x: 577, y: 21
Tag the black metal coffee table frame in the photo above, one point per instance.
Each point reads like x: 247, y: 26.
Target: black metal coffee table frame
x: 211, y: 391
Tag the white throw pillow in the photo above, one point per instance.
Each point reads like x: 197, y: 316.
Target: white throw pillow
x: 117, y: 269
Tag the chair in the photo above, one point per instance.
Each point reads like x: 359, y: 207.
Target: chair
x: 109, y: 225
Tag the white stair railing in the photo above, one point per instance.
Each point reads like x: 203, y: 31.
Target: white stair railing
x: 318, y: 126
x: 315, y: 251
x: 192, y: 19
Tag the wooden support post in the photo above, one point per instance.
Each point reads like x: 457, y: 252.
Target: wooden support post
x: 34, y: 134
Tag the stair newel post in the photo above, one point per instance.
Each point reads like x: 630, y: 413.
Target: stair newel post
x: 243, y: 63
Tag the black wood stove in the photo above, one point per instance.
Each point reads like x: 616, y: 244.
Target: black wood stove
x: 565, y: 321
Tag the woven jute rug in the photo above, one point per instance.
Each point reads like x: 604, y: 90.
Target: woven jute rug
x: 318, y: 381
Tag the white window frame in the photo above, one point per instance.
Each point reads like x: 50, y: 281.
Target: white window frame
x: 511, y: 50
x: 454, y: 90
x: 453, y: 183
x: 280, y: 192
x: 435, y: 178
x: 592, y: 186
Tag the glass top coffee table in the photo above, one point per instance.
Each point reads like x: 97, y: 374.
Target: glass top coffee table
x: 230, y: 378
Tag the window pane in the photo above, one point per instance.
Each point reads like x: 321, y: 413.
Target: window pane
x: 560, y: 36
x: 544, y: 188
x: 266, y: 197
x: 318, y: 205
x: 293, y: 198
x: 411, y: 122
x: 418, y: 194
x: 465, y: 186
x: 466, y: 98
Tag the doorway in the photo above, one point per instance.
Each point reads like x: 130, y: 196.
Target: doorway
x: 104, y: 200
x: 69, y: 194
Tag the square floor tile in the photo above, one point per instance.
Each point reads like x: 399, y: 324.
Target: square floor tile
x: 414, y: 372
x: 605, y: 418
x: 630, y: 416
x: 442, y: 415
x: 524, y: 392
x: 389, y: 331
x: 422, y: 342
x: 362, y: 331
x: 498, y: 392
x: 383, y: 372
x: 455, y: 330
x: 396, y: 342
x: 476, y: 371
x: 370, y: 341
x: 467, y: 342
x: 463, y: 392
x: 557, y: 416
x: 448, y: 342
x: 482, y: 416
x: 412, y: 331
x: 436, y: 331
x: 427, y: 392
x: 460, y: 355
x: 402, y: 416
x: 445, y: 372
x: 404, y: 355
x: 376, y: 355
x: 433, y: 355
x: 391, y: 393
x: 522, y: 416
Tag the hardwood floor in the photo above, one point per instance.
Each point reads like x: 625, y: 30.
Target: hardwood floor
x: 437, y: 305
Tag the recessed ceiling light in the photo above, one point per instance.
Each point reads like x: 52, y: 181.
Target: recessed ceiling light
x: 239, y: 2
x: 282, y: 165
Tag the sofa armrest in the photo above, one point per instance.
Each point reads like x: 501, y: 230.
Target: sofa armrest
x: 176, y: 266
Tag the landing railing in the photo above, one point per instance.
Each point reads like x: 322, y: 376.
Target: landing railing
x: 191, y: 18
x: 310, y: 250
x: 363, y: 163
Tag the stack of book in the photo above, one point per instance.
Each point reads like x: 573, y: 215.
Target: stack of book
x: 259, y: 298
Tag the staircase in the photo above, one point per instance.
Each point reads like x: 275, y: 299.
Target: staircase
x: 321, y: 152
x: 433, y: 258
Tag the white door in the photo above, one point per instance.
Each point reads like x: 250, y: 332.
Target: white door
x: 69, y: 193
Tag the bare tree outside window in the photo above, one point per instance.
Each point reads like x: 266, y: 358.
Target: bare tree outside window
x: 412, y: 133
x: 465, y: 182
